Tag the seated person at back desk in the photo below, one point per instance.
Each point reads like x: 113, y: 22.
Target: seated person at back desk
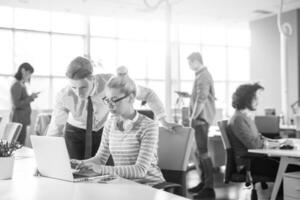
x: 244, y: 135
x: 131, y: 138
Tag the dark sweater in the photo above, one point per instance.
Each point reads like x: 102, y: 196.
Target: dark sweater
x: 243, y: 135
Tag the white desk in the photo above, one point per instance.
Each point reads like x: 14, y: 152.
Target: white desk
x: 24, y: 185
x: 286, y: 157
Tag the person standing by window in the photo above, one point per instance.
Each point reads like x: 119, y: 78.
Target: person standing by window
x: 21, y: 109
x: 202, y: 113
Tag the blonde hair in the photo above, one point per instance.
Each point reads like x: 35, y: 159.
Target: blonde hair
x: 122, y: 82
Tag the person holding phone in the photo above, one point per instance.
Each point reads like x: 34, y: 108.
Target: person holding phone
x: 21, y: 110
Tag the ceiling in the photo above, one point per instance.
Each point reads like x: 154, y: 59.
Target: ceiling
x: 183, y: 11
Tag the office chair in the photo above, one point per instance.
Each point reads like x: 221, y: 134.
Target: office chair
x: 42, y: 123
x: 174, y: 150
x: 11, y: 131
x: 231, y: 172
x: 268, y: 125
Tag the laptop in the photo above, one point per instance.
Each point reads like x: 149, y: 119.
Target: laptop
x: 53, y: 160
x: 268, y: 125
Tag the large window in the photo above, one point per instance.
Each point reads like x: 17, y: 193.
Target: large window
x: 50, y: 40
x: 46, y: 40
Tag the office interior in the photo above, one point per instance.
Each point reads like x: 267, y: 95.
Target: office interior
x: 239, y: 40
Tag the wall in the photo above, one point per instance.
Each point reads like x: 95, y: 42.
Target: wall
x: 265, y: 60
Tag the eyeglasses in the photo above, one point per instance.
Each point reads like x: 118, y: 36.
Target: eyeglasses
x: 112, y: 101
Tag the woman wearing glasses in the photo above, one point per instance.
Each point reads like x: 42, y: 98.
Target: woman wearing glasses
x: 131, y: 138
x: 79, y: 113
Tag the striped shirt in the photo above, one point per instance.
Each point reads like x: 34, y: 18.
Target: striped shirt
x: 134, y: 150
x: 203, y: 93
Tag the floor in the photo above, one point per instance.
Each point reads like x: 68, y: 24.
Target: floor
x: 232, y: 191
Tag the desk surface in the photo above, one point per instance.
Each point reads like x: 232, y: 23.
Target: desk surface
x: 280, y: 152
x: 277, y: 152
x: 24, y: 185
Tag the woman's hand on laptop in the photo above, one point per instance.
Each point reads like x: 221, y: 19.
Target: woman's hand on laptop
x: 75, y: 164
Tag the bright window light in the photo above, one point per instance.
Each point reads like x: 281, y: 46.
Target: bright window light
x: 6, y: 51
x: 67, y: 23
x: 131, y: 29
x: 103, y: 26
x: 6, y: 16
x: 214, y: 58
x: 32, y: 19
x: 132, y: 54
x: 156, y: 60
x: 35, y: 49
x: 104, y: 53
x: 64, y: 49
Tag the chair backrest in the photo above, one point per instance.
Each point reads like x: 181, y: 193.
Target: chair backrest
x: 174, y: 149
x: 223, y: 125
x: 230, y: 165
x: 42, y: 123
x: 268, y: 125
x: 12, y: 131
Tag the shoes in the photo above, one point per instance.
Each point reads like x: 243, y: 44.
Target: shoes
x: 206, y: 193
x: 197, y: 188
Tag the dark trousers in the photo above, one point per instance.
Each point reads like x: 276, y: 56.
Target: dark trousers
x: 205, y: 164
x: 269, y: 167
x: 22, y: 136
x: 75, y: 141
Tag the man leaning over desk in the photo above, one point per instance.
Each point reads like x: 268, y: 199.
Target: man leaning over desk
x: 79, y: 107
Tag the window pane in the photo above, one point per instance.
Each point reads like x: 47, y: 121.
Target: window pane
x: 102, y: 26
x: 5, y: 83
x: 215, y: 60
x: 159, y: 88
x: 189, y: 34
x: 35, y: 49
x: 155, y: 31
x: 220, y: 90
x: 239, y: 64
x: 239, y: 37
x: 132, y: 55
x: 104, y: 53
x: 214, y: 35
x: 6, y: 16
x: 67, y: 23
x: 186, y: 86
x: 131, y: 29
x: 32, y: 19
x: 40, y: 85
x: 185, y: 50
x: 156, y: 54
x: 6, y: 51
x: 65, y: 49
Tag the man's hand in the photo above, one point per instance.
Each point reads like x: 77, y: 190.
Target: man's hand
x: 36, y: 172
x: 75, y: 163
x: 169, y: 125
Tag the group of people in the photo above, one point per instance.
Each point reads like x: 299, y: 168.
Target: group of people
x: 125, y: 142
